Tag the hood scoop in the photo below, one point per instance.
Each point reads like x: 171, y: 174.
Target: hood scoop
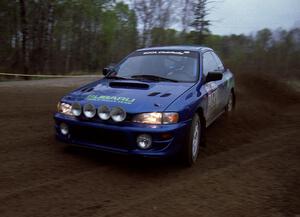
x: 128, y: 85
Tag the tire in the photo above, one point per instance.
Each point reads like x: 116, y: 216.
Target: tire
x: 191, y: 149
x: 231, y: 103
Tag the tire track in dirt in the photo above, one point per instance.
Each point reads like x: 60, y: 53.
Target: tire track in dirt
x: 251, y: 162
x: 208, y: 167
x: 184, y: 194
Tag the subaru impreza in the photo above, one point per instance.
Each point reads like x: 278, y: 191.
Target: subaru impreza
x: 156, y: 102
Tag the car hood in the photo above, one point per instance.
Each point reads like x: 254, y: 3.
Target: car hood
x: 133, y: 96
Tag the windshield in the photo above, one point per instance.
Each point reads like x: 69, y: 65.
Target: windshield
x: 172, y: 66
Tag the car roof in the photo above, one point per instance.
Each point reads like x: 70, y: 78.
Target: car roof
x: 197, y: 48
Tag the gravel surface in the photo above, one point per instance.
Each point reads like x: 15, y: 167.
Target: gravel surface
x: 250, y: 167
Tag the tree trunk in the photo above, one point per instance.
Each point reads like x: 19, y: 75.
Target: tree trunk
x: 24, y: 29
x: 48, y: 37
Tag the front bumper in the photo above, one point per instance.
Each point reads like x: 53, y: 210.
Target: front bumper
x: 167, y: 140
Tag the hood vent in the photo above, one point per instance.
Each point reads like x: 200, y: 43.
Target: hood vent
x: 153, y: 94
x: 165, y: 95
x: 127, y: 85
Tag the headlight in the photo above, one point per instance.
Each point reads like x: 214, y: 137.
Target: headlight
x: 89, y: 110
x: 76, y: 109
x: 148, y: 118
x: 104, y: 112
x: 170, y: 118
x: 64, y: 108
x: 118, y: 114
x: 157, y: 118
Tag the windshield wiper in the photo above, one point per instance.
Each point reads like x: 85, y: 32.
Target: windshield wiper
x: 153, y: 78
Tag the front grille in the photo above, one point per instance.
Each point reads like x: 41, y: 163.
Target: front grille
x: 100, y: 137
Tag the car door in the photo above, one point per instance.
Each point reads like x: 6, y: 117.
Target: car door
x: 213, y: 88
x: 222, y: 84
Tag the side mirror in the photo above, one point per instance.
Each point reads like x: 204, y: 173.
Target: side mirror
x: 108, y: 69
x: 105, y: 71
x: 214, y: 76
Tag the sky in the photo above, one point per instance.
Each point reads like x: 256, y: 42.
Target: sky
x: 249, y: 16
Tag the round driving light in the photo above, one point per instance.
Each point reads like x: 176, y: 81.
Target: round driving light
x: 118, y: 114
x: 89, y: 110
x: 144, y: 141
x: 64, y: 129
x: 76, y: 109
x: 104, y: 112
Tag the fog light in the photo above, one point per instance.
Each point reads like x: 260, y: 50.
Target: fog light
x: 64, y: 129
x: 144, y: 141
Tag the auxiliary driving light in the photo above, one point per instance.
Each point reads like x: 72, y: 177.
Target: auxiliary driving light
x: 144, y: 141
x: 89, y: 110
x: 76, y: 109
x: 118, y: 114
x: 64, y: 129
x: 104, y: 112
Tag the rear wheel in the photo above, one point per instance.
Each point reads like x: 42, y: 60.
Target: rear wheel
x: 191, y: 149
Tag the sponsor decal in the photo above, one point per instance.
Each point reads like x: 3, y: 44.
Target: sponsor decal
x: 166, y: 52
x: 212, y: 97
x: 117, y: 99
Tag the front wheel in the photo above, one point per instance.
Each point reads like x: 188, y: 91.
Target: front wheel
x: 191, y: 149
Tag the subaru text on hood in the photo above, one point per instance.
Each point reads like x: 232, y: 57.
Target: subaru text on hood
x: 156, y: 102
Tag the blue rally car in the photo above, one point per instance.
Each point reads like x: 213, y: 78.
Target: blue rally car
x: 156, y: 102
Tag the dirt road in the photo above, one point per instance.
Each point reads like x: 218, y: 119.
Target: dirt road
x: 250, y: 167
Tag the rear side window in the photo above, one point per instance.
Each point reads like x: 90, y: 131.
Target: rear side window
x: 209, y: 63
x: 219, y: 62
